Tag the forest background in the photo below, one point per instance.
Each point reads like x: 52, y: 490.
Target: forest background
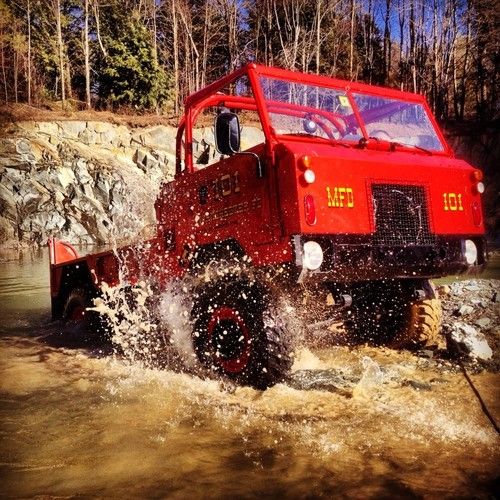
x: 142, y: 56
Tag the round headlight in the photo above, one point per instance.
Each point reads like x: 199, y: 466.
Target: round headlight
x: 470, y: 253
x: 480, y: 187
x: 309, y: 176
x: 313, y: 255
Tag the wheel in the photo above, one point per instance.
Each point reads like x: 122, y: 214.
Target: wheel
x: 236, y: 335
x: 387, y: 313
x: 79, y: 323
x: 75, y: 307
x: 423, y: 326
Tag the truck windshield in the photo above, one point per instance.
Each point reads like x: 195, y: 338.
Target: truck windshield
x: 397, y: 121
x: 301, y: 108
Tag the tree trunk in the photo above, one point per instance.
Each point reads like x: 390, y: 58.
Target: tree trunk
x: 98, y: 27
x: 176, y: 56
x: 318, y: 35
x: 351, y: 41
x: 57, y: 8
x: 29, y: 51
x: 87, y: 56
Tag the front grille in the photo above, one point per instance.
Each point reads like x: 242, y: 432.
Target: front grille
x: 400, y: 215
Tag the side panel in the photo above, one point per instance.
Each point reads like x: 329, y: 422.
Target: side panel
x: 227, y: 200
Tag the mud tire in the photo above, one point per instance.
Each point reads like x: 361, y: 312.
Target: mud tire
x: 75, y: 306
x: 393, y: 319
x: 257, y: 352
x: 423, y: 328
x: 77, y: 321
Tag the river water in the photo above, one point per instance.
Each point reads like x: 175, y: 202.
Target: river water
x: 77, y: 420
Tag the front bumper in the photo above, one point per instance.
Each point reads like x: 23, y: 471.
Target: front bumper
x: 357, y: 258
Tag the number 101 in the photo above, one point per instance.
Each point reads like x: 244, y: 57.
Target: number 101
x: 453, y: 202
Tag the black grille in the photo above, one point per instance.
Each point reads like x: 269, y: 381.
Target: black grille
x: 400, y: 215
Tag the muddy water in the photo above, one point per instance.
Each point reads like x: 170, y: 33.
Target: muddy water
x: 357, y: 423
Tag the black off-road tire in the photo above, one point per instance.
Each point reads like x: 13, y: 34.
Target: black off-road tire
x: 77, y: 320
x: 387, y: 314
x: 236, y: 334
x: 75, y: 306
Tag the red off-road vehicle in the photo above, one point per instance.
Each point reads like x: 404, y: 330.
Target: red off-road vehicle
x: 344, y: 196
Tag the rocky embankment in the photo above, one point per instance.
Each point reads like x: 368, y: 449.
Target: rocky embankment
x: 471, y: 320
x: 87, y: 182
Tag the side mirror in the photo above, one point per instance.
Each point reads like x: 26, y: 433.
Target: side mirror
x: 227, y: 133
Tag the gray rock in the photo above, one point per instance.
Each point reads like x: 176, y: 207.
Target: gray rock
x: 415, y: 384
x: 7, y: 231
x: 483, y: 323
x: 470, y: 340
x: 23, y: 147
x: 82, y: 173
x: 49, y: 128
x: 464, y: 310
x: 87, y: 137
x: 72, y: 129
x: 472, y: 288
x: 8, y: 207
x: 108, y: 138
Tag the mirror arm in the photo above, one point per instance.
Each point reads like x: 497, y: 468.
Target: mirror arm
x: 260, y: 169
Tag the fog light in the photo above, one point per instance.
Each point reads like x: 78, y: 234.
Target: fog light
x: 312, y: 255
x: 309, y: 176
x: 480, y: 187
x: 470, y: 252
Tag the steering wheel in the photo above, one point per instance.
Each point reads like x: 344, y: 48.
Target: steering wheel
x: 312, y: 120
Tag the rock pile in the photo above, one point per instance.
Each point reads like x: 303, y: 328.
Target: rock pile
x: 85, y: 182
x: 471, y: 318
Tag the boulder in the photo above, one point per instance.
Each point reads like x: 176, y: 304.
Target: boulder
x: 464, y: 310
x: 470, y: 341
x: 49, y: 128
x: 87, y: 137
x: 483, y: 323
x: 7, y: 231
x: 72, y: 128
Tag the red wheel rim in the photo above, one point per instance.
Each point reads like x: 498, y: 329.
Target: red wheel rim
x: 226, y: 316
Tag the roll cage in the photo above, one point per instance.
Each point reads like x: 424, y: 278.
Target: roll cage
x: 213, y: 95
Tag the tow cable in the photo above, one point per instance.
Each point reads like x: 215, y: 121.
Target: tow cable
x: 479, y: 397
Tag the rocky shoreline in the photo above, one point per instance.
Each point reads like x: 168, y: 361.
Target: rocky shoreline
x: 471, y: 321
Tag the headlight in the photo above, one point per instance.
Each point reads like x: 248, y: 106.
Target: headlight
x: 309, y: 176
x: 470, y: 252
x: 312, y: 255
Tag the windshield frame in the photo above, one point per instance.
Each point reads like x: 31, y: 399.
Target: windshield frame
x: 349, y: 88
x: 214, y: 92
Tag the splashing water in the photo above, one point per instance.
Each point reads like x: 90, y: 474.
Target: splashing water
x: 359, y: 422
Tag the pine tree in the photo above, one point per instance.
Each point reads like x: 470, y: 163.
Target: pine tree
x: 129, y: 73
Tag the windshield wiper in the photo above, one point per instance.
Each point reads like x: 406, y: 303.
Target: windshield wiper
x: 414, y: 146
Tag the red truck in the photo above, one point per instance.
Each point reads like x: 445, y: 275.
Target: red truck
x: 344, y: 196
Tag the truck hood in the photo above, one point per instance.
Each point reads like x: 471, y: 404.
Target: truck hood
x: 345, y: 180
